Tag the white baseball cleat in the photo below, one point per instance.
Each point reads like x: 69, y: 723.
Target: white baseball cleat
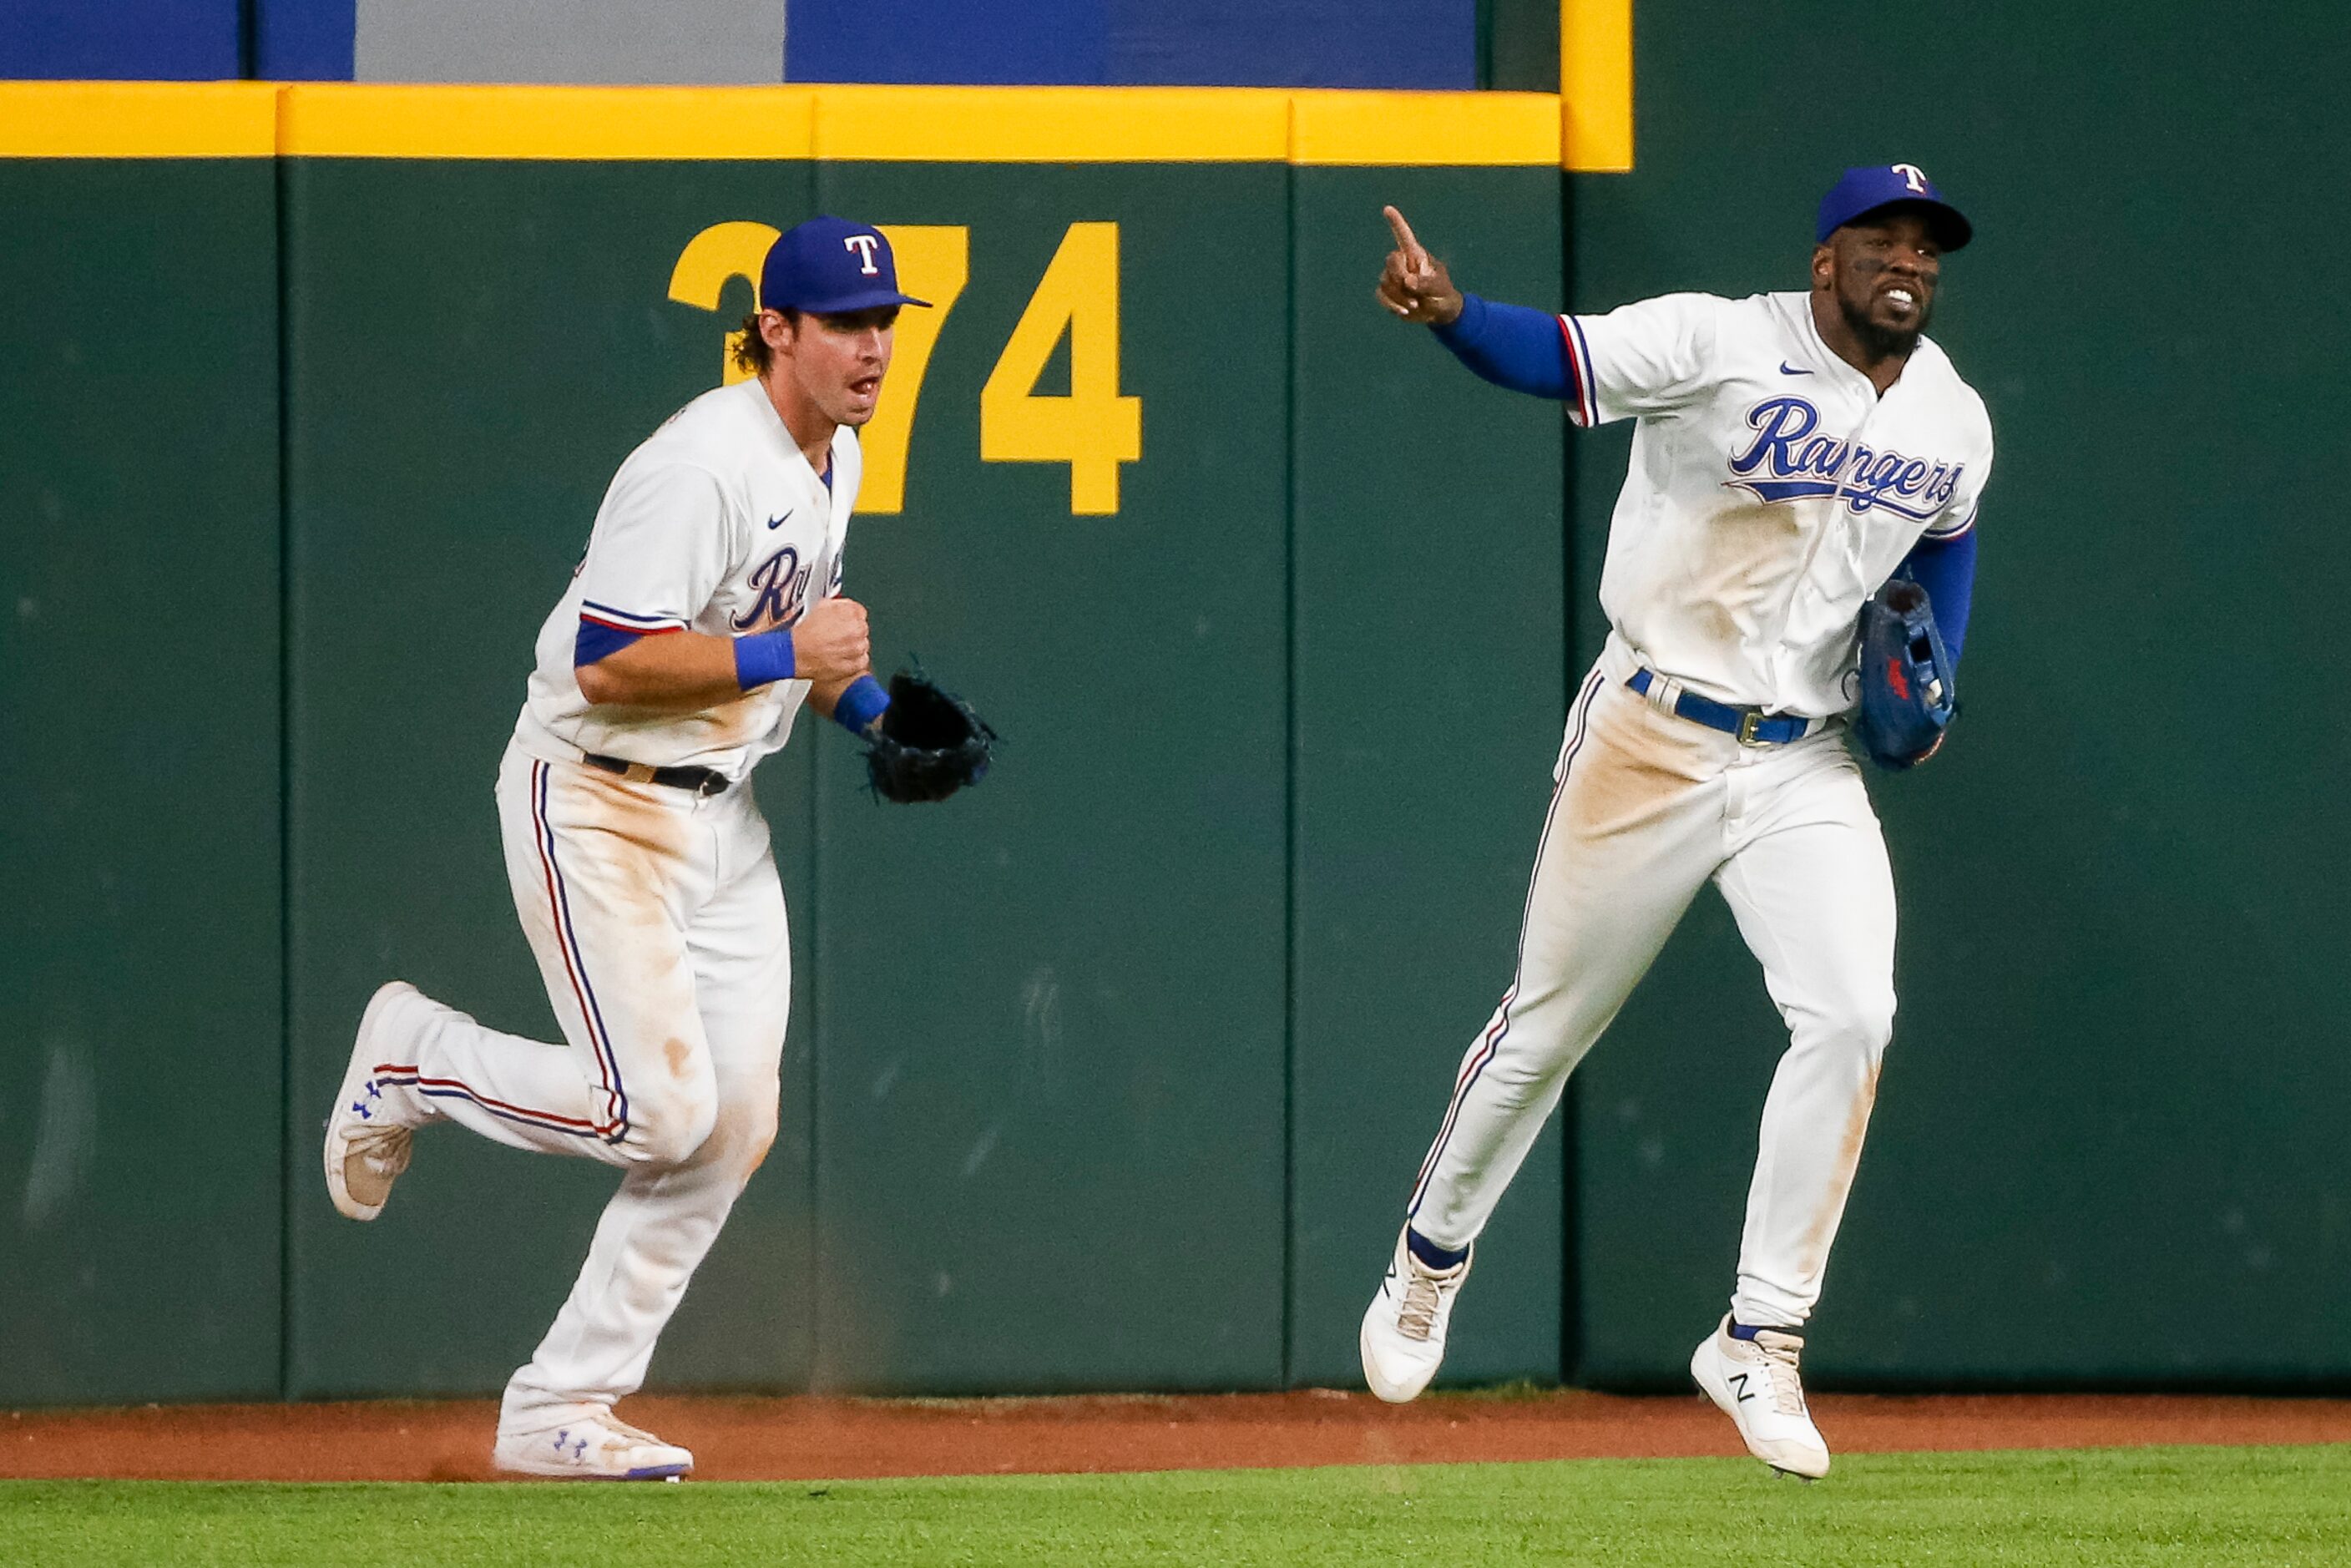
x: 594, y: 1448
x: 1402, y: 1340
x: 369, y: 1134
x: 1755, y: 1382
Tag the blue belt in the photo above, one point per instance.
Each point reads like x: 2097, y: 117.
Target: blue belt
x: 1752, y: 725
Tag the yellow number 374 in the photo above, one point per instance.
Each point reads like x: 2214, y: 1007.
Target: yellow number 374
x: 1093, y: 429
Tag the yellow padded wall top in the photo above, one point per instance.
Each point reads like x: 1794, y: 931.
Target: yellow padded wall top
x: 910, y: 124
x: 1595, y: 85
x: 137, y: 120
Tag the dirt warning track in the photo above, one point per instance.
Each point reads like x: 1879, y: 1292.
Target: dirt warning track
x: 807, y: 1438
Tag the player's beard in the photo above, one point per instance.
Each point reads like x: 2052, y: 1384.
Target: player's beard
x: 1882, y: 342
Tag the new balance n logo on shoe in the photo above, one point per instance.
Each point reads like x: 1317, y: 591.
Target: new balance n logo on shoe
x: 1738, y: 1381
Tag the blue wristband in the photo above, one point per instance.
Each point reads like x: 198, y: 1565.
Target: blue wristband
x: 861, y: 705
x: 765, y: 658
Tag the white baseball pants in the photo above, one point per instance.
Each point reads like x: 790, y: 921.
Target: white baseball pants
x: 659, y: 924
x: 1648, y: 807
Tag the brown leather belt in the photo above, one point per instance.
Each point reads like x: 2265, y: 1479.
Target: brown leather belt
x: 695, y: 780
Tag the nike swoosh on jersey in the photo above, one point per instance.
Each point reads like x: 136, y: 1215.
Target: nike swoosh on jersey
x: 1785, y: 369
x: 778, y: 522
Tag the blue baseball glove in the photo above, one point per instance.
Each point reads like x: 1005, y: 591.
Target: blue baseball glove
x: 1907, y: 694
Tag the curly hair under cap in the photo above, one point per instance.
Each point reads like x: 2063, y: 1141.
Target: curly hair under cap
x: 752, y: 354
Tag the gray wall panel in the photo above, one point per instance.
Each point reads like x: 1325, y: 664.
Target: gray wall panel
x: 610, y: 41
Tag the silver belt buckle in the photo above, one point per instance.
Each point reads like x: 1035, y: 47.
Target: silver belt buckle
x: 1748, y: 722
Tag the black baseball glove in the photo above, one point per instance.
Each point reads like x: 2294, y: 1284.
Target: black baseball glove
x: 926, y: 745
x: 1907, y: 694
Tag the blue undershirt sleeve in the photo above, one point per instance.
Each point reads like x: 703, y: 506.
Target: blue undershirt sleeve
x: 1946, y: 569
x: 1509, y: 345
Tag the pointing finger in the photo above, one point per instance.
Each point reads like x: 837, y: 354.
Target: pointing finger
x: 1405, y: 239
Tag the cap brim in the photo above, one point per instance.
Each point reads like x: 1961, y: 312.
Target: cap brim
x: 1952, y: 230
x: 870, y: 299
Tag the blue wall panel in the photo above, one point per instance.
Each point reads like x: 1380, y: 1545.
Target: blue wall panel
x: 1242, y: 42
x: 303, y: 40
x: 1299, y: 42
x: 1042, y: 43
x: 132, y: 40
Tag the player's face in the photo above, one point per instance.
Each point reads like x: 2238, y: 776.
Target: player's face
x: 1883, y: 272
x: 839, y: 361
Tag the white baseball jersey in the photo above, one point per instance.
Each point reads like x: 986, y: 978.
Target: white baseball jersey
x: 716, y: 523
x: 1771, y: 491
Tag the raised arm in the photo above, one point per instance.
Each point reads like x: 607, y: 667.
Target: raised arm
x: 1509, y: 345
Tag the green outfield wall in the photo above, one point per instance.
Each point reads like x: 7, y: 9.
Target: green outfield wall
x: 142, y: 1078
x: 1114, y: 1074
x: 2108, y: 1145
x: 1094, y: 1076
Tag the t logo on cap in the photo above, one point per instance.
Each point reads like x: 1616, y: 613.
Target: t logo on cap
x: 805, y: 271
x: 1866, y: 189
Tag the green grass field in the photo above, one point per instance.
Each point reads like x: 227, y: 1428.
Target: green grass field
x: 2184, y: 1506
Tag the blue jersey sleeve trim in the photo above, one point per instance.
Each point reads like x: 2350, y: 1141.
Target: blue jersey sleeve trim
x: 627, y: 620
x: 1586, y: 411
x: 1510, y: 346
x: 1946, y: 569
x: 597, y: 642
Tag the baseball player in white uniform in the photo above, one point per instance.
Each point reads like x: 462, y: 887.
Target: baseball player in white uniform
x: 1791, y: 452
x: 706, y: 610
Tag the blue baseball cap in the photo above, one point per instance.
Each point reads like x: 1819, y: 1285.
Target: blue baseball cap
x: 829, y: 266
x: 1864, y: 190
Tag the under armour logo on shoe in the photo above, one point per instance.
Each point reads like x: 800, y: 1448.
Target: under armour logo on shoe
x: 375, y: 1089
x: 579, y: 1450
x: 366, y: 1114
